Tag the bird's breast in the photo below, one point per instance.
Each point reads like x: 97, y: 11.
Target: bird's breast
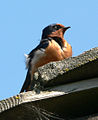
x: 53, y: 53
x: 67, y: 51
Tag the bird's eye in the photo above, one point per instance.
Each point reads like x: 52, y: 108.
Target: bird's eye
x: 55, y: 27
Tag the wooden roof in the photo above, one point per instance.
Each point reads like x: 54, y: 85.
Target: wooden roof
x: 64, y: 89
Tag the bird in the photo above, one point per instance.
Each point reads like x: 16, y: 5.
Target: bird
x: 52, y: 47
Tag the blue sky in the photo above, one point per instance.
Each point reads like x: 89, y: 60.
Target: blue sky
x: 21, y: 24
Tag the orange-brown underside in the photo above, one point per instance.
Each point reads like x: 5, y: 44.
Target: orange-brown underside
x: 53, y: 53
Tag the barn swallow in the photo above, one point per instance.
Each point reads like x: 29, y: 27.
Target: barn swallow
x: 52, y: 47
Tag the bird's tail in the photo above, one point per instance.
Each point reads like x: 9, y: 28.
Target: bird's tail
x: 27, y: 82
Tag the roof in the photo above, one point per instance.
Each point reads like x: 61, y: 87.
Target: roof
x: 64, y: 89
x: 69, y: 70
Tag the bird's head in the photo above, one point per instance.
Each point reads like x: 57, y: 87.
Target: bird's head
x: 54, y: 30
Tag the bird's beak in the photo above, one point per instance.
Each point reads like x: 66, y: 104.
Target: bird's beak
x: 65, y: 28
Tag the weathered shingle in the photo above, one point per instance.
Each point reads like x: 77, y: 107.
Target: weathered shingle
x: 69, y: 70
x: 65, y: 89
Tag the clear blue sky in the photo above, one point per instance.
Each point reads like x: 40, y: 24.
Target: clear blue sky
x: 21, y: 23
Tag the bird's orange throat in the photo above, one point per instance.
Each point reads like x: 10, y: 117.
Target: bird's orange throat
x: 58, y: 33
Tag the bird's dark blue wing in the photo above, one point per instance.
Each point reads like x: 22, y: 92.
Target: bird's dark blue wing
x: 43, y: 45
x: 27, y: 82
